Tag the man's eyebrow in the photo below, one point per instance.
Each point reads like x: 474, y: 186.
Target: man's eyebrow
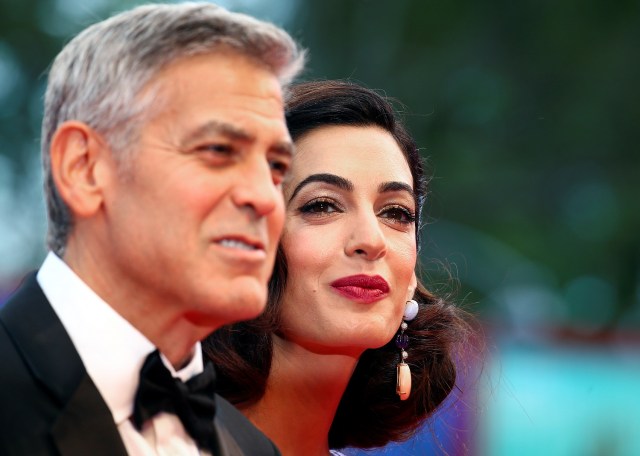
x: 331, y: 179
x: 284, y: 148
x: 213, y: 127
x: 217, y: 127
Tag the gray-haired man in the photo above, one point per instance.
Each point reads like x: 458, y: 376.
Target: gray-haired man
x: 164, y: 145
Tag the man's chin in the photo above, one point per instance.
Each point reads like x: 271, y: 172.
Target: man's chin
x: 242, y: 303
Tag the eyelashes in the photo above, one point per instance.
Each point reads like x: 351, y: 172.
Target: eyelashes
x: 323, y: 207
x: 320, y: 206
x: 399, y: 214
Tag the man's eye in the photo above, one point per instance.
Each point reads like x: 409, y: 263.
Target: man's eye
x: 279, y: 167
x: 222, y: 149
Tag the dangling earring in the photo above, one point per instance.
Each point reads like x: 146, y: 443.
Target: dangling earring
x: 403, y: 373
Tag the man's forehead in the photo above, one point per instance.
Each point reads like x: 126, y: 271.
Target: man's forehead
x: 217, y: 82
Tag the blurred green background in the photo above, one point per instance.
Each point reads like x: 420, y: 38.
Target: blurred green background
x: 528, y: 113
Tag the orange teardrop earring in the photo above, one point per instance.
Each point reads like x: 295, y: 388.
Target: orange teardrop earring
x: 403, y: 373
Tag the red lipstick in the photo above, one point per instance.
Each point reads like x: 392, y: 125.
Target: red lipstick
x: 362, y: 288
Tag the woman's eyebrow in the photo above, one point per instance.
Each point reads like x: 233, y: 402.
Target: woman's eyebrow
x: 395, y: 186
x: 331, y: 179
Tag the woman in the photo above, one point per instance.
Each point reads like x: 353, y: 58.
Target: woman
x: 324, y: 367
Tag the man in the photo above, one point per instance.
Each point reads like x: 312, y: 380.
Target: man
x: 164, y: 145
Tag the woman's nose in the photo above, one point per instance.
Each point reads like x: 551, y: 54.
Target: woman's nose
x: 366, y: 238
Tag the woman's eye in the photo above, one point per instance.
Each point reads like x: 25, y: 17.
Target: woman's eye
x: 319, y: 207
x: 399, y: 214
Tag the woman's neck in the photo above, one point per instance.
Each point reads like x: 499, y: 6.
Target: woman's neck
x: 302, y: 395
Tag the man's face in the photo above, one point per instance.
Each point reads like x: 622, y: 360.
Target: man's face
x: 193, y: 223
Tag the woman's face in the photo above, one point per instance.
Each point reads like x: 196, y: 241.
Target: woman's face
x: 349, y: 240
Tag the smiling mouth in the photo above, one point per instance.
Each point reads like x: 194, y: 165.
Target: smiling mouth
x: 362, y: 288
x: 237, y: 244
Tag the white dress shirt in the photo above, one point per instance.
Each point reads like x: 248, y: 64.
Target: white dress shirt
x: 113, y: 352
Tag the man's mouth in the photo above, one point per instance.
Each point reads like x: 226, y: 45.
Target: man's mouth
x: 237, y: 244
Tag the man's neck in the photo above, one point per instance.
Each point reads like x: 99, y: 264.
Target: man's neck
x: 166, y: 326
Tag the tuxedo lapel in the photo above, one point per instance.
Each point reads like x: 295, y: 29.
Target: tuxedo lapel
x: 227, y: 446
x: 84, y: 424
x: 237, y: 436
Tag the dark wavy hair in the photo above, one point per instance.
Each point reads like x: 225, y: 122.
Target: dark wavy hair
x: 369, y: 414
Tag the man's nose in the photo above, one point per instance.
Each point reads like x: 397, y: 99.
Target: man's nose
x: 256, y: 189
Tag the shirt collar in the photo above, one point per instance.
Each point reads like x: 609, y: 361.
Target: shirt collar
x: 111, y: 349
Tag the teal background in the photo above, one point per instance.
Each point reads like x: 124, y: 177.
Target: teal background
x: 527, y: 113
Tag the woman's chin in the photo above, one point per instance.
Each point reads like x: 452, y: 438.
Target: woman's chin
x: 373, y: 336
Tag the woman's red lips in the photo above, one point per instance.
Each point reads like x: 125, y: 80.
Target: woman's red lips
x: 362, y: 288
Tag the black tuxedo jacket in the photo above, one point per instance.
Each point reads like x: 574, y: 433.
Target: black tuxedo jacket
x: 50, y: 406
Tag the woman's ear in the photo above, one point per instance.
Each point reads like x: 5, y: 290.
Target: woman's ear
x: 78, y: 159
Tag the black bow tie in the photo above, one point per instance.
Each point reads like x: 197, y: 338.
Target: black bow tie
x: 193, y: 402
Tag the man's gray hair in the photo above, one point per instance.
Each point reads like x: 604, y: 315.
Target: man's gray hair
x: 99, y: 75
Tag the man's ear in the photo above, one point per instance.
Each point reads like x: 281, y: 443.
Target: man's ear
x: 79, y: 160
